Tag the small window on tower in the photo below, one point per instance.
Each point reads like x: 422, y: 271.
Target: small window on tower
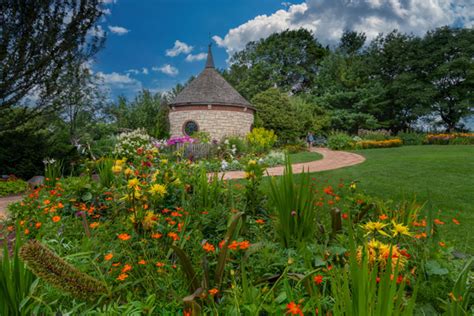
x: 190, y: 127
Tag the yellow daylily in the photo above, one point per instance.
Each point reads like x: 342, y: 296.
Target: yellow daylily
x: 116, y: 169
x: 132, y: 183
x: 128, y: 172
x: 157, y: 189
x: 373, y: 227
x: 400, y: 229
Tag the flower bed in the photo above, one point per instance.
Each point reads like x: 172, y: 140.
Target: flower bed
x: 157, y: 235
x: 364, y: 144
x: 450, y: 139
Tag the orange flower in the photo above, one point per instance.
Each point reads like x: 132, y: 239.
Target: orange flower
x: 46, y: 202
x: 318, y: 279
x: 160, y: 264
x: 116, y: 264
x: 123, y: 236
x: 420, y: 224
x: 156, y: 235
x: 56, y: 218
x: 442, y: 244
x: 221, y: 243
x: 122, y: 277
x: 173, y: 235
x: 60, y: 205
x: 142, y: 262
x: 294, y: 309
x: 27, y: 231
x: 22, y: 223
x: 328, y: 190
x: 213, y: 291
x: 208, y: 247
x: 108, y: 256
x: 383, y: 217
x: 244, y: 244
x: 94, y: 225
x: 438, y: 222
x: 126, y: 268
x: 345, y: 216
x: 233, y: 245
x: 38, y: 225
x: 176, y: 214
x: 419, y: 236
x: 11, y: 228
x: 260, y: 221
x: 455, y: 221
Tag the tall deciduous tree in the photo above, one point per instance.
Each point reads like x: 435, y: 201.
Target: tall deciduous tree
x: 288, y: 61
x: 38, y: 41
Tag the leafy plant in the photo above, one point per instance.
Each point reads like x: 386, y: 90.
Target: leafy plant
x: 106, y: 175
x: 293, y: 206
x: 60, y: 274
x: 411, y: 138
x: 16, y: 186
x: 261, y: 140
x: 339, y: 140
x: 53, y: 170
x: 16, y: 282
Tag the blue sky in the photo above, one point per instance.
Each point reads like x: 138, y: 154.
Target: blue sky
x: 155, y: 44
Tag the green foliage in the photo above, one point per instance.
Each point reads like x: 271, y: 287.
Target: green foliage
x: 106, y: 175
x: 253, y: 193
x: 340, y: 140
x: 16, y: 282
x: 346, y: 120
x: 53, y: 170
x: 380, y: 134
x: 293, y: 207
x: 411, y: 138
x: 202, y: 137
x: 60, y: 274
x: 261, y: 139
x: 13, y: 187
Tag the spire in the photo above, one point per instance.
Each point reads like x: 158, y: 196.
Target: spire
x: 210, y: 59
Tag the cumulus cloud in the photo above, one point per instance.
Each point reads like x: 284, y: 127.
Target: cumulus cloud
x: 145, y: 71
x: 120, y: 84
x: 118, y: 30
x: 195, y: 57
x: 133, y: 71
x: 167, y: 69
x: 179, y: 48
x: 327, y: 19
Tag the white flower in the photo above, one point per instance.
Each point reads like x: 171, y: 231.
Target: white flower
x: 224, y: 165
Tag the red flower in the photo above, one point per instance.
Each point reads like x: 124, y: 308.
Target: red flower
x: 345, y: 216
x: 208, y: 247
x: 213, y: 291
x: 438, y: 222
x: 294, y: 309
x: 383, y: 217
x: 318, y: 279
x: 455, y: 221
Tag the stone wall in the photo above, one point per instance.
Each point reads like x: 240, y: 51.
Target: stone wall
x: 217, y: 122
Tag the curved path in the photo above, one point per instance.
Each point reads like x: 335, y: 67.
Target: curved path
x: 4, y: 201
x: 331, y: 160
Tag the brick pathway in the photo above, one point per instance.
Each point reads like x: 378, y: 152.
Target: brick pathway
x: 4, y: 201
x: 331, y: 160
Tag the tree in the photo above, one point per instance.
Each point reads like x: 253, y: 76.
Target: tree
x: 39, y: 40
x: 147, y: 110
x: 288, y: 61
x: 448, y: 68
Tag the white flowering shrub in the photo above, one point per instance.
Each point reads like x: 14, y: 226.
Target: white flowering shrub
x: 129, y: 142
x: 274, y: 158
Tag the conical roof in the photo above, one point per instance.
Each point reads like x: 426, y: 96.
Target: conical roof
x: 210, y: 88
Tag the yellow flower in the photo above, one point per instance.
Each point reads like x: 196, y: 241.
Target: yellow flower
x: 177, y: 181
x: 164, y: 161
x: 372, y: 227
x: 157, y: 189
x: 128, y: 172
x: 149, y: 220
x: 132, y: 183
x: 252, y: 162
x: 155, y: 174
x: 353, y: 186
x: 400, y: 229
x: 116, y: 168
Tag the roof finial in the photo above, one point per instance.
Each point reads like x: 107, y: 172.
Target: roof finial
x: 210, y: 59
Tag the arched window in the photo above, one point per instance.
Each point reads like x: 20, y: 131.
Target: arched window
x: 190, y: 127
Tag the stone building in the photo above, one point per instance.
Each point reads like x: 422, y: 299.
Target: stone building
x: 210, y: 104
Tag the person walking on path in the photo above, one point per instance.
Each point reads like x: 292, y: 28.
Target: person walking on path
x: 310, y: 139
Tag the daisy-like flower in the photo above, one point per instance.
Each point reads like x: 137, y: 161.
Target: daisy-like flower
x: 372, y: 227
x: 318, y: 279
x: 213, y: 291
x: 108, y: 256
x: 124, y: 236
x: 208, y: 247
x: 294, y: 309
x: 133, y: 183
x: 244, y: 244
x: 142, y: 262
x: 156, y: 235
x: 126, y: 268
x: 438, y: 222
x: 383, y: 217
x: 56, y: 218
x: 122, y: 277
x: 94, y: 225
x: 400, y: 229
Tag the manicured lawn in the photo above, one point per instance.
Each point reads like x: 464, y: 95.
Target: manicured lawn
x: 441, y: 176
x: 304, y: 156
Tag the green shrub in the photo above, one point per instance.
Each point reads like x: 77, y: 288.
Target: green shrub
x: 339, y: 140
x: 295, y: 148
x: 261, y: 139
x: 12, y: 187
x: 411, y: 138
x: 379, y: 134
x: 202, y: 136
x: 238, y: 143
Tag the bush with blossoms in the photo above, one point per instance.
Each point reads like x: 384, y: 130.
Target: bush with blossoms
x: 153, y: 234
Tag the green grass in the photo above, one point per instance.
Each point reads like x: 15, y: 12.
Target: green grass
x: 441, y: 176
x: 304, y: 156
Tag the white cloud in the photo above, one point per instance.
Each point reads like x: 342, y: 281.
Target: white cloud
x: 327, y: 19
x: 133, y: 71
x: 200, y: 56
x: 167, y: 69
x: 109, y: 1
x: 179, y: 48
x: 118, y: 30
x: 106, y: 11
x: 116, y: 80
x: 145, y: 71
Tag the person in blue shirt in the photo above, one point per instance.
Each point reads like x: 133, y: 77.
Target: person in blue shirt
x: 310, y: 139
